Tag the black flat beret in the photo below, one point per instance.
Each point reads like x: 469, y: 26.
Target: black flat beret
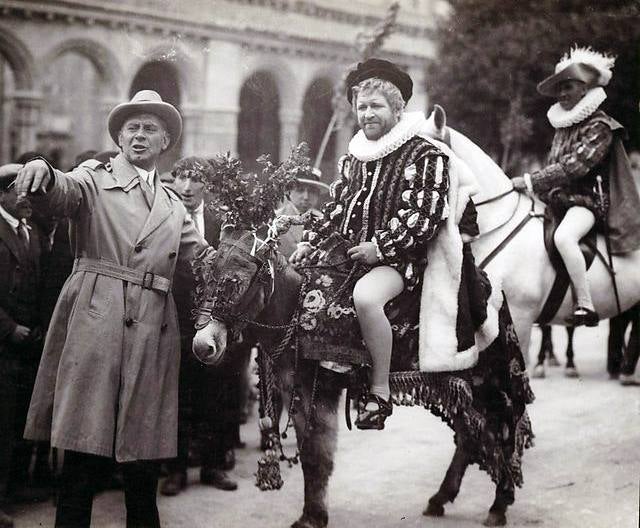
x: 382, y: 69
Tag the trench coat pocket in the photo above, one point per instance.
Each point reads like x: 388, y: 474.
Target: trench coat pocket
x: 100, y: 296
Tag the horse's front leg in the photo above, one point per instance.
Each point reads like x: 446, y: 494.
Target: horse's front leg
x: 316, y: 424
x: 570, y: 371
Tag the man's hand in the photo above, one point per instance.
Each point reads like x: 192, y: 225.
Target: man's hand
x: 519, y: 184
x: 365, y: 252
x: 20, y: 334
x: 32, y: 177
x: 302, y: 252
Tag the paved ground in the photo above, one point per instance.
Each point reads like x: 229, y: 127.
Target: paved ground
x: 582, y: 473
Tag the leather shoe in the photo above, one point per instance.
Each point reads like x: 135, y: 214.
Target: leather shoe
x: 174, y: 484
x: 218, y: 479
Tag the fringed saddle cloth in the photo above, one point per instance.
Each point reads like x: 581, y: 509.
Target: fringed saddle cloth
x: 481, y: 384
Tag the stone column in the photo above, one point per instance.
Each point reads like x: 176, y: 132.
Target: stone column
x: 289, y: 127
x: 24, y: 120
x: 208, y: 131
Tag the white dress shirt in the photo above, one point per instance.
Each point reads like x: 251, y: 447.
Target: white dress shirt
x: 148, y: 176
x: 197, y: 215
x: 14, y: 223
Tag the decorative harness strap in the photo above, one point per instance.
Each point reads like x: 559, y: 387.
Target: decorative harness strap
x: 147, y: 279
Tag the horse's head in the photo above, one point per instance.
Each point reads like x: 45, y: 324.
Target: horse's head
x: 437, y: 125
x: 240, y: 284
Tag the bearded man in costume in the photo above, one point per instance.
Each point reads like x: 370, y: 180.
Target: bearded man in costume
x: 587, y: 181
x: 390, y: 201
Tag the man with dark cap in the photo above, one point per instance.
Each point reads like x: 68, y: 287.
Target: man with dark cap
x: 587, y: 181
x: 390, y: 201
x: 107, y: 385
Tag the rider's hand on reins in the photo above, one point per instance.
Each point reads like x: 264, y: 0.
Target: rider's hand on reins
x: 301, y: 253
x: 365, y: 252
x: 519, y: 184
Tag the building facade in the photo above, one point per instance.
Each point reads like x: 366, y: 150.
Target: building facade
x: 249, y: 76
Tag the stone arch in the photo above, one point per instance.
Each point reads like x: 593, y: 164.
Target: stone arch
x: 178, y: 56
x: 289, y: 84
x: 100, y: 56
x: 19, y: 58
x: 317, y: 110
x: 259, y: 118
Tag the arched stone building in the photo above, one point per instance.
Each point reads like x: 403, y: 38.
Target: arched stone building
x: 249, y: 76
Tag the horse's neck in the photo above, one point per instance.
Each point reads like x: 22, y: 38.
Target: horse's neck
x: 284, y: 301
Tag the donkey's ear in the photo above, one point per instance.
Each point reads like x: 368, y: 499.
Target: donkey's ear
x: 439, y: 118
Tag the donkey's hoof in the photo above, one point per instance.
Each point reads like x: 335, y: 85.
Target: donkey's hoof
x: 495, y: 519
x: 434, y: 509
x: 571, y: 372
x: 306, y: 521
x: 538, y: 372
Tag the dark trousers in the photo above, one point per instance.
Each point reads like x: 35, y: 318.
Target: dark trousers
x: 621, y: 359
x: 83, y: 474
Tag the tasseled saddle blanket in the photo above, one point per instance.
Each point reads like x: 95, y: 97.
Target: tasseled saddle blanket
x: 489, y: 388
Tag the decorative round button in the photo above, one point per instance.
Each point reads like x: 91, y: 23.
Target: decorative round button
x: 128, y: 321
x: 172, y: 254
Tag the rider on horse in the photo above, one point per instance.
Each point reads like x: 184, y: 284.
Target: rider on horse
x: 586, y: 181
x: 390, y: 200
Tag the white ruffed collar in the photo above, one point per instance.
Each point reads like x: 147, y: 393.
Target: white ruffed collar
x: 561, y: 118
x: 410, y: 124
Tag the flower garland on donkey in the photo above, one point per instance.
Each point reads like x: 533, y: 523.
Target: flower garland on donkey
x: 464, y: 364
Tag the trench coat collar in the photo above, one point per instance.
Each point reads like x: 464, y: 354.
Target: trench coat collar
x: 123, y: 175
x: 163, y: 208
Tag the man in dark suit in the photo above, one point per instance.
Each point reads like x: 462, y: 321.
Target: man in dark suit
x: 207, y: 409
x: 21, y: 335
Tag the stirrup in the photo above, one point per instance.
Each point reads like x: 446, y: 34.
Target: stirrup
x: 373, y: 419
x: 583, y: 317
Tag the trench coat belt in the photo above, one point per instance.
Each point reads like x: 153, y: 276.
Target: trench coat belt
x: 146, y: 279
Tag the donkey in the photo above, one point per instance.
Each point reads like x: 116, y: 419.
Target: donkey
x: 261, y: 292
x: 514, y: 251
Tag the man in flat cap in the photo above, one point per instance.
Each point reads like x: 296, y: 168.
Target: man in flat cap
x: 587, y: 181
x: 390, y: 201
x: 107, y: 385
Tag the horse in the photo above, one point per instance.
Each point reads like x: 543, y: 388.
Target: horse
x: 261, y: 292
x: 511, y: 248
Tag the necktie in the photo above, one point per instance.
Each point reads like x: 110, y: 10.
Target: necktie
x: 146, y: 190
x: 23, y: 234
x: 191, y: 216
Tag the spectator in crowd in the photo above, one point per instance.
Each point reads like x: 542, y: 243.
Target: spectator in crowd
x: 205, y: 412
x: 21, y: 333
x: 304, y: 197
x: 111, y: 356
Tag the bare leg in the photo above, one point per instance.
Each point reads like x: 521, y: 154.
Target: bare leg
x: 370, y: 294
x: 317, y: 449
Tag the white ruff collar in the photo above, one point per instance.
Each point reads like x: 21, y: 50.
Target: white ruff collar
x: 410, y: 124
x: 561, y: 118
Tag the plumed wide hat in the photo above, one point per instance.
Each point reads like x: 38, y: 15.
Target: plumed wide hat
x: 146, y: 102
x: 313, y: 180
x: 580, y: 64
x: 381, y: 69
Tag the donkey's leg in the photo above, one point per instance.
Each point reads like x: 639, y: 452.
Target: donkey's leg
x: 570, y: 371
x: 317, y: 449
x: 450, y: 485
x: 504, y: 498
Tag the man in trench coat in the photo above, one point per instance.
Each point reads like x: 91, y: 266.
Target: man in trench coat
x: 107, y: 385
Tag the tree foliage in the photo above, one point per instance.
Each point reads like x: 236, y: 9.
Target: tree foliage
x: 494, y: 52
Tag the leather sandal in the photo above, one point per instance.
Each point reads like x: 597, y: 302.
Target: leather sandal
x: 373, y: 419
x: 584, y: 317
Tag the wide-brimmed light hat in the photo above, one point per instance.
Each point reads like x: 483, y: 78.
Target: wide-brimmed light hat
x: 146, y: 102
x: 580, y: 64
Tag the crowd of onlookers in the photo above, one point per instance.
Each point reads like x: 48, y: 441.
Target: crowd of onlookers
x: 36, y: 258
